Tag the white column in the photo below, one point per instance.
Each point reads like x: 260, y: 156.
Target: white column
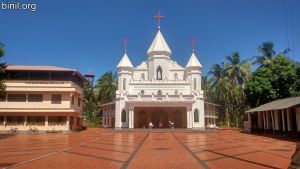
x: 131, y: 119
x: 276, y: 120
x: 25, y: 121
x: 46, y: 121
x: 264, y: 119
x: 288, y: 117
x: 188, y: 117
x: 192, y: 118
x: 259, y: 120
x: 272, y: 119
x: 4, y: 123
x: 283, y: 121
x: 267, y: 119
x: 68, y: 122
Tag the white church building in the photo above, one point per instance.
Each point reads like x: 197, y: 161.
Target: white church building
x: 159, y: 90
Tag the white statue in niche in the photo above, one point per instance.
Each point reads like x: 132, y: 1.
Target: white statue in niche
x: 159, y: 73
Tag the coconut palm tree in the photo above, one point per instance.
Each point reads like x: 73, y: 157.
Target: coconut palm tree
x: 106, y: 87
x: 2, y: 70
x: 266, y: 54
x: 217, y: 73
x: 236, y: 70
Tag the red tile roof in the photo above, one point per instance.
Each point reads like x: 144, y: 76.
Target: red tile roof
x: 47, y: 68
x: 43, y: 68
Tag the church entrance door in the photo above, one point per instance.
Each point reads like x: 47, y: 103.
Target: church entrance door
x: 160, y: 117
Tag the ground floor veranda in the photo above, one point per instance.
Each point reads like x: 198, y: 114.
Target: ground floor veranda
x: 43, y: 122
x: 159, y: 116
x: 283, y: 121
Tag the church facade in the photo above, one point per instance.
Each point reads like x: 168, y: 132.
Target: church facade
x: 159, y: 91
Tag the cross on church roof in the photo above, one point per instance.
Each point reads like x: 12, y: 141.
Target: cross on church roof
x: 125, y: 43
x: 193, y: 41
x: 158, y: 17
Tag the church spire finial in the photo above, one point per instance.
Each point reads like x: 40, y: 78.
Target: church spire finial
x: 193, y: 41
x: 125, y: 43
x: 158, y: 17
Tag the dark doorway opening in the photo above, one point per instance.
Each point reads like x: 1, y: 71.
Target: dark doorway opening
x: 160, y: 117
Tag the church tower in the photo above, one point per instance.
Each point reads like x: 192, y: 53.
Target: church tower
x: 158, y: 58
x: 159, y: 55
x: 193, y: 73
x: 125, y: 70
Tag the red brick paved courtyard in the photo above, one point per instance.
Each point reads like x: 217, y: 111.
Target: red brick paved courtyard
x: 98, y: 148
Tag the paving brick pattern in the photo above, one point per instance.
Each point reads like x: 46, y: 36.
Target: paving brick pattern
x: 99, y: 148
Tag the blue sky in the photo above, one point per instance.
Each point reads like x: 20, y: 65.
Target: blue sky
x: 88, y: 34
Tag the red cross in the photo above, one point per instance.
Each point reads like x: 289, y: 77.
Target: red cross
x: 125, y: 43
x: 193, y: 41
x: 158, y: 17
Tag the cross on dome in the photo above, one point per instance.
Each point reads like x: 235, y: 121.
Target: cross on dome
x: 125, y: 43
x: 193, y: 41
x: 158, y: 18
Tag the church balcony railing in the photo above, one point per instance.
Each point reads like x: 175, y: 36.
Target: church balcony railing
x: 164, y: 98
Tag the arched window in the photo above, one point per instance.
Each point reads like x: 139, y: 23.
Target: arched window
x: 123, y: 116
x: 195, y: 84
x: 143, y: 76
x: 159, y: 73
x: 142, y: 92
x: 196, y: 115
x: 175, y: 76
x: 124, y: 84
x: 176, y: 92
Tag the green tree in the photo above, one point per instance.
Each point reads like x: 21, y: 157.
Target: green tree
x: 296, y: 86
x: 90, y: 105
x: 106, y: 87
x: 236, y: 70
x: 272, y: 82
x: 2, y: 70
x: 266, y: 52
x: 217, y: 74
x: 220, y: 90
x: 226, y: 88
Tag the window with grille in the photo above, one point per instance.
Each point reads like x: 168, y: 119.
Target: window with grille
x: 2, y: 98
x: 1, y: 120
x: 56, y: 99
x: 16, y: 98
x: 57, y: 120
x: 15, y: 120
x: 36, y: 120
x: 35, y: 98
